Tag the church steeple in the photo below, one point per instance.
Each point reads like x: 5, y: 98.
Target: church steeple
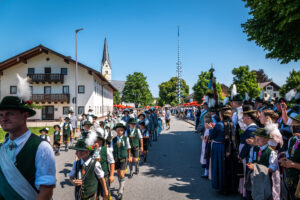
x: 105, y: 63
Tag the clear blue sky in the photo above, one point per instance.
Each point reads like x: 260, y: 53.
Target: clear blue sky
x: 142, y: 36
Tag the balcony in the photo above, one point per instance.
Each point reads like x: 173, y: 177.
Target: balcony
x: 43, y: 78
x: 50, y: 98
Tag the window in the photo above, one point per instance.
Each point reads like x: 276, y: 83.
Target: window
x: 13, y: 89
x: 66, y: 89
x: 64, y: 71
x: 30, y: 70
x: 80, y: 110
x: 31, y: 89
x: 47, y: 89
x: 81, y: 89
x: 266, y: 94
x: 65, y: 110
x: 269, y: 88
x: 47, y: 70
x: 274, y: 95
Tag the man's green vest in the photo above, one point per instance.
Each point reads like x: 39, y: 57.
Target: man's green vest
x: 90, y: 181
x: 25, y: 163
x: 264, y: 158
x: 292, y: 172
x: 66, y: 129
x: 103, y: 162
x: 120, y: 152
x: 56, y: 136
x: 134, y: 138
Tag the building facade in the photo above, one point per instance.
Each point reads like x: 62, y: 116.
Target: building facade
x: 271, y: 89
x: 52, y: 83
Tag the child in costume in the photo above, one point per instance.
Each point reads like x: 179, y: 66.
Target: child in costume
x: 145, y: 134
x: 57, y: 139
x: 136, y: 143
x: 105, y: 157
x: 86, y: 129
x: 44, y: 135
x: 121, y: 152
x: 85, y: 173
x: 66, y: 129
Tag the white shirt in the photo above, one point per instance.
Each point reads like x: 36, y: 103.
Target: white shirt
x: 46, y: 137
x: 273, y: 163
x: 44, y: 160
x: 98, y: 170
x: 109, y: 155
x: 62, y: 126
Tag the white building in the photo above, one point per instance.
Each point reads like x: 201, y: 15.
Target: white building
x: 271, y: 89
x: 53, y: 83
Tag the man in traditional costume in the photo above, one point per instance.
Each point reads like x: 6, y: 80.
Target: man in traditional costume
x: 27, y: 163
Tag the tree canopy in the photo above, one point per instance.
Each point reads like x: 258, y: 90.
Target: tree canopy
x: 117, y: 98
x: 245, y: 81
x: 275, y: 26
x: 201, y: 87
x: 137, y: 90
x: 261, y: 76
x: 168, y: 91
x: 292, y: 82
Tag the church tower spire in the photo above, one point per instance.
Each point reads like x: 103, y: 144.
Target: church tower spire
x: 105, y: 63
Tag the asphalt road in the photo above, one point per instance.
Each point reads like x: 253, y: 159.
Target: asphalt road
x: 172, y: 171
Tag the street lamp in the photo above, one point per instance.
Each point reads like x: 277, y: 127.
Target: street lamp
x: 76, y: 75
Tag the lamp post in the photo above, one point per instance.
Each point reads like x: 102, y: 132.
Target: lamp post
x: 76, y: 75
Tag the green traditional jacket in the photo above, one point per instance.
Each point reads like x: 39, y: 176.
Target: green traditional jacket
x: 25, y: 163
x: 103, y: 161
x: 66, y: 129
x: 56, y: 136
x: 120, y: 148
x: 264, y: 158
x: 133, y: 138
x: 89, y: 181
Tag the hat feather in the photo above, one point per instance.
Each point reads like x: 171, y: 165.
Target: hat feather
x: 290, y: 95
x: 23, y: 91
x: 211, y: 102
x: 272, y: 130
x: 91, y: 139
x: 233, y: 91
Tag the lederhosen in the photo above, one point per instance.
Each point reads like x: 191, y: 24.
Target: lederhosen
x: 88, y: 190
x: 120, y: 152
x: 56, y: 138
x: 66, y: 132
x: 292, y: 174
x: 134, y: 142
x: 25, y: 163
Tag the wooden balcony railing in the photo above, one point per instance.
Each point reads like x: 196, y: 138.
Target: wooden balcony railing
x: 51, y: 98
x: 50, y: 78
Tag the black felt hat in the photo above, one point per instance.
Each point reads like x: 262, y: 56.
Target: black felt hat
x: 45, y: 130
x: 261, y: 132
x: 248, y: 109
x: 237, y: 97
x: 15, y: 103
x: 81, y: 146
x: 87, y: 123
x: 131, y: 121
x: 120, y: 125
x: 56, y: 126
x: 67, y: 118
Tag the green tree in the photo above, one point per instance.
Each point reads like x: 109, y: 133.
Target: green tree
x: 117, y: 98
x: 168, y: 91
x: 137, y: 90
x: 245, y: 81
x: 275, y: 26
x: 261, y: 76
x: 292, y: 82
x: 160, y: 102
x: 201, y: 87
